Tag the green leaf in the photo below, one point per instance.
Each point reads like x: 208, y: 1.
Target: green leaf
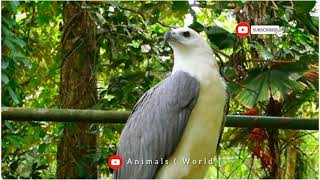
x: 14, y: 166
x: 4, y: 63
x: 254, y: 88
x: 259, y: 83
x: 100, y: 18
x: 18, y: 55
x: 80, y: 168
x: 4, y: 78
x: 315, y: 20
x: 196, y: 26
x: 19, y: 42
x: 9, y: 44
x: 6, y: 31
x: 41, y: 167
x: 303, y: 7
x: 34, y: 166
x: 7, y: 123
x: 98, y: 156
x: 42, y: 148
x: 285, y: 82
x: 13, y: 5
x: 27, y: 62
x: 14, y: 140
x: 44, y: 6
x: 108, y: 132
x: 265, y: 54
x: 41, y: 133
x: 9, y: 23
x: 43, y: 19
x: 220, y: 37
x: 182, y: 6
x: 13, y: 95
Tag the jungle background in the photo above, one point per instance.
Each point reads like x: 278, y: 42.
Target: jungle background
x: 105, y: 55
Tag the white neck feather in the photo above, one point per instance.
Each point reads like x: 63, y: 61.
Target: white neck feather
x: 199, y: 63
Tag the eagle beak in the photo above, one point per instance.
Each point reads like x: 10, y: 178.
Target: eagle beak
x: 168, y: 35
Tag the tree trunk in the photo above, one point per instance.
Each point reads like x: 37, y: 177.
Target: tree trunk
x: 274, y: 109
x: 78, y: 90
x: 291, y: 157
x: 273, y: 139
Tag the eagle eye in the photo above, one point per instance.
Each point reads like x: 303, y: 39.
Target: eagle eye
x: 186, y: 34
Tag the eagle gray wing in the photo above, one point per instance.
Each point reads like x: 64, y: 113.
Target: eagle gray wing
x: 155, y: 126
x: 226, y: 112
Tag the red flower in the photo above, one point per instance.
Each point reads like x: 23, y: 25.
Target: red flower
x: 266, y: 161
x: 258, y: 134
x: 251, y: 112
x: 257, y: 150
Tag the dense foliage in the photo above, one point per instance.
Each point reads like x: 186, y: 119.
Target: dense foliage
x: 266, y: 75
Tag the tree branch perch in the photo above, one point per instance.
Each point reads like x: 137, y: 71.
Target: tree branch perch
x: 100, y: 116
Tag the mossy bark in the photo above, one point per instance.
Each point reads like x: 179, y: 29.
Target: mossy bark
x: 78, y: 90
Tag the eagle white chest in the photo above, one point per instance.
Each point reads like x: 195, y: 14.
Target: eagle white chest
x: 199, y: 140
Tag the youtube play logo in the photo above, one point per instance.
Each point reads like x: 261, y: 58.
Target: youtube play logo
x: 115, y: 162
x: 243, y: 29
